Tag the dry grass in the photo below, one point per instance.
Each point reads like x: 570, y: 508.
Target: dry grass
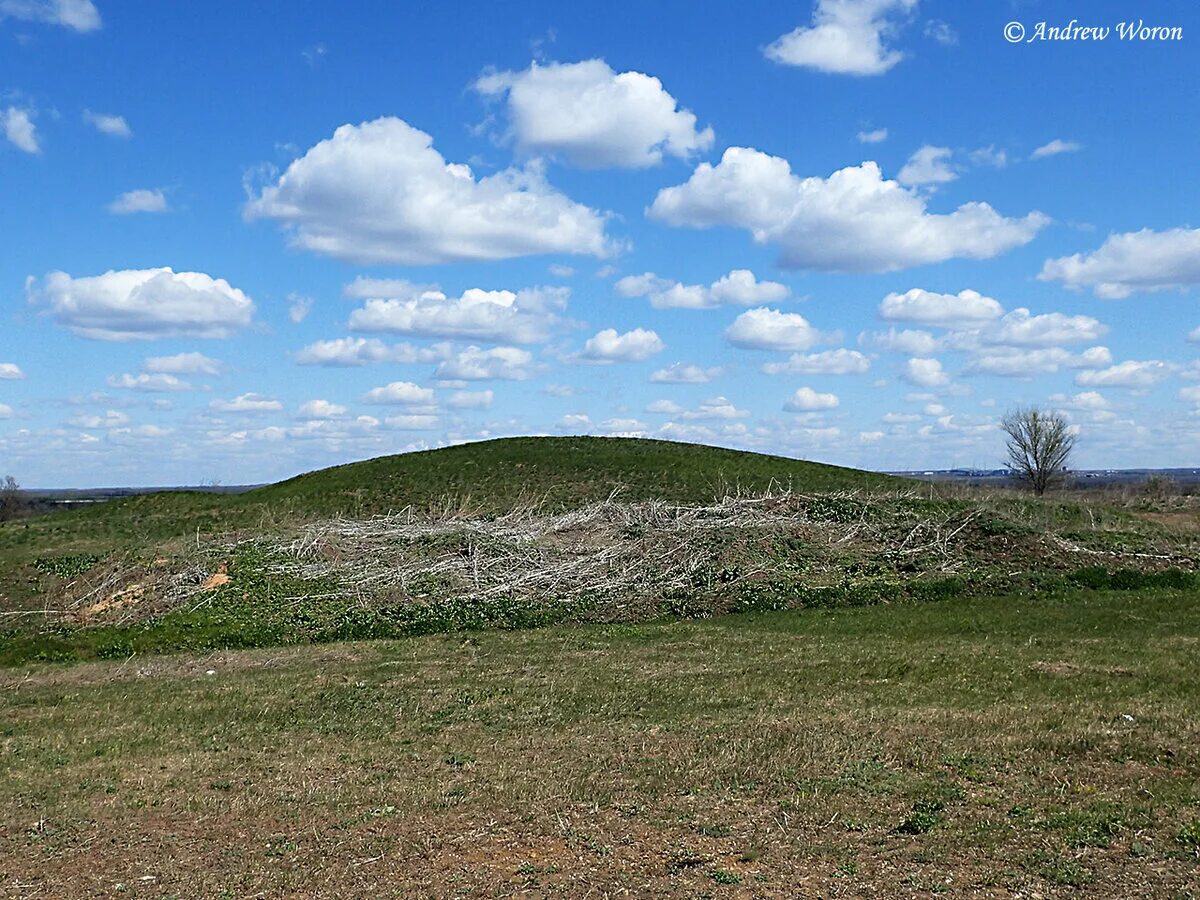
x: 1051, y: 743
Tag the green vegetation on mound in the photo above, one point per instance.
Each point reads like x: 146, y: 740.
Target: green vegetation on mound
x: 558, y: 472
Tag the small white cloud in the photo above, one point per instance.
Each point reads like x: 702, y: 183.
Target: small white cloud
x: 664, y: 407
x: 942, y: 32
x: 965, y: 309
x: 878, y: 136
x: 1023, y: 362
x: 78, y: 15
x: 299, y: 306
x: 685, y: 373
x: 19, y: 129
x: 10, y: 372
x: 113, y: 126
x: 739, y: 288
x: 925, y: 372
x: 402, y: 393
x: 524, y: 317
x: 1054, y: 148
x: 1022, y: 329
x: 1137, y: 262
x: 928, y: 165
x: 475, y: 364
x: 574, y: 420
x: 827, y: 362
x: 110, y: 419
x: 1131, y: 375
x: 247, y: 403
x: 314, y: 54
x: 807, y: 400
x: 142, y: 200
x: 345, y: 352
x: 909, y: 341
x: 470, y: 399
x: 184, y: 364
x: 770, y: 329
x: 716, y: 409
x: 147, y: 382
x: 990, y: 156
x: 593, y: 117
x: 608, y: 346
x: 143, y: 304
x: 321, y: 409
x: 560, y: 271
x: 846, y: 37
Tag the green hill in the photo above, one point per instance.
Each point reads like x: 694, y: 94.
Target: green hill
x: 562, y: 471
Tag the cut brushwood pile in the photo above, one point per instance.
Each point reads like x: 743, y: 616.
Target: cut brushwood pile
x: 617, y: 560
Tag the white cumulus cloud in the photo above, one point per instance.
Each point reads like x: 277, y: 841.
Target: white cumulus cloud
x: 143, y: 381
x: 147, y: 200
x: 19, y: 129
x: 965, y: 309
x: 345, y: 352
x: 805, y: 399
x: 402, y: 393
x: 846, y: 37
x: 184, y: 364
x: 78, y: 15
x: 594, y: 117
x: 475, y: 364
x: 522, y: 317
x: 1136, y: 262
x: 321, y: 409
x: 10, y: 372
x: 1054, y: 148
x: 925, y: 372
x: 1020, y: 328
x: 928, y: 165
x: 380, y: 193
x: 769, y: 329
x: 738, y: 288
x: 685, y: 373
x: 113, y: 126
x: 852, y: 221
x: 1025, y: 362
x: 247, y: 403
x: 1131, y: 375
x: 827, y: 362
x: 143, y: 304
x: 608, y: 346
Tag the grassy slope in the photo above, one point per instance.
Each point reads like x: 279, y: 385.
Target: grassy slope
x: 492, y: 475
x: 1046, y: 746
x: 565, y: 472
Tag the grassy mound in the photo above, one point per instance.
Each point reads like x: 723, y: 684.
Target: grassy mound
x: 563, y: 472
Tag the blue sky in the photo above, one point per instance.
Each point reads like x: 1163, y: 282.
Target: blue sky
x: 242, y: 241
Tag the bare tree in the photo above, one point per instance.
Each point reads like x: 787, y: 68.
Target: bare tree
x: 1039, y: 446
x: 12, y: 501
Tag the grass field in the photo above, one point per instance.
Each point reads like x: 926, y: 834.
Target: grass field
x: 1002, y: 746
